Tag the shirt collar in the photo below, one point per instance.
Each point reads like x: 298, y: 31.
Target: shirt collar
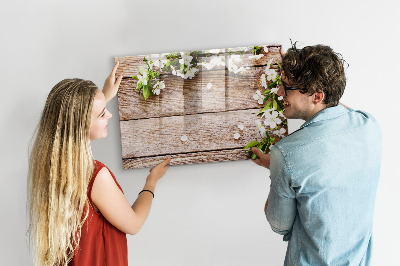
x: 326, y: 114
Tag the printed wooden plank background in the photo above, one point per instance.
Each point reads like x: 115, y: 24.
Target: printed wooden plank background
x: 206, y: 109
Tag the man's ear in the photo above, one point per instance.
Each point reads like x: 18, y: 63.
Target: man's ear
x: 318, y: 97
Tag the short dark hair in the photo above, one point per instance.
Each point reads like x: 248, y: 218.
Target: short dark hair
x: 316, y: 69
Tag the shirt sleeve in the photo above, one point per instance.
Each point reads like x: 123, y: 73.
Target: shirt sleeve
x: 281, y: 210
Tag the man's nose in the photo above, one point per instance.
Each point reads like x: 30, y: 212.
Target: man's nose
x: 280, y: 91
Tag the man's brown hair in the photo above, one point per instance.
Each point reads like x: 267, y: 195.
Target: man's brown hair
x: 316, y: 69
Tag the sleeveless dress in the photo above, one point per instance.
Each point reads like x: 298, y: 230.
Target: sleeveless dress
x: 101, y: 243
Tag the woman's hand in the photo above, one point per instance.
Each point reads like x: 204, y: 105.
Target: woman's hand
x: 158, y: 171
x: 111, y: 85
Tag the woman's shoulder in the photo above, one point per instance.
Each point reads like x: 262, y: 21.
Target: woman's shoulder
x: 102, y: 170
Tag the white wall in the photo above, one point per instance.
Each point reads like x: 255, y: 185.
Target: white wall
x: 204, y: 214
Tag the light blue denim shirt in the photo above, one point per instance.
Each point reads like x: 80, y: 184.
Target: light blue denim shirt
x: 323, y: 183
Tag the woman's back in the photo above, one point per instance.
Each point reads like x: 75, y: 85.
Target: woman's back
x: 101, y: 243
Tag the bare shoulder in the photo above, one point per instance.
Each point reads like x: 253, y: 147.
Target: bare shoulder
x: 103, y: 185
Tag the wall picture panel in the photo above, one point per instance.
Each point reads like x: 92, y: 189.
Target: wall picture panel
x: 197, y: 106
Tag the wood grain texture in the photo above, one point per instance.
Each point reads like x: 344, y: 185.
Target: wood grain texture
x: 229, y: 91
x: 187, y: 158
x: 211, y: 131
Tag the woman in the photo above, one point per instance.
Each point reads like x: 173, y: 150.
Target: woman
x: 78, y: 212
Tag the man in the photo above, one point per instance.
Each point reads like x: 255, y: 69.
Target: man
x: 323, y: 176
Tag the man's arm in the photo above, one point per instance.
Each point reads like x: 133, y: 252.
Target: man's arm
x: 280, y: 208
x: 263, y: 159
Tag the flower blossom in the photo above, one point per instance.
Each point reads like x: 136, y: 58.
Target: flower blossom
x: 263, y: 81
x: 158, y: 63
x: 240, y: 126
x: 186, y: 59
x: 280, y: 132
x: 271, y: 74
x: 236, y: 136
x: 143, y: 78
x: 261, y: 129
x: 217, y: 61
x: 274, y: 90
x: 184, y: 138
x: 272, y: 119
x: 214, y: 51
x: 158, y: 87
x: 190, y: 73
x: 259, y: 97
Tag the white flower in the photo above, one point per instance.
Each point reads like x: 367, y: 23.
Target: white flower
x: 217, y: 61
x: 274, y: 90
x: 261, y: 129
x: 271, y: 119
x: 209, y: 85
x: 267, y: 111
x: 235, y: 69
x: 143, y: 78
x: 263, y: 81
x: 240, y: 126
x: 282, y: 115
x: 158, y: 63
x: 186, y: 58
x: 190, y: 73
x: 214, y: 51
x: 280, y: 132
x: 158, y: 87
x: 256, y: 57
x: 156, y: 91
x: 259, y: 97
x: 236, y: 136
x: 206, y: 65
x: 179, y: 74
x: 280, y: 98
x: 236, y: 58
x: 173, y: 71
x: 265, y: 49
x: 161, y: 85
x: 271, y: 74
x: 184, y: 138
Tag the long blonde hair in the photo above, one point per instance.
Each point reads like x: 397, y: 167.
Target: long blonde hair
x: 60, y: 167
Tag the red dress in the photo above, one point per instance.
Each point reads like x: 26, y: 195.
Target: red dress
x: 101, y: 243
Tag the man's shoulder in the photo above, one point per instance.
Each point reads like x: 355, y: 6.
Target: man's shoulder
x: 310, y: 133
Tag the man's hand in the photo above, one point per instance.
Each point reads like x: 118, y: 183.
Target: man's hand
x: 264, y: 159
x: 111, y: 85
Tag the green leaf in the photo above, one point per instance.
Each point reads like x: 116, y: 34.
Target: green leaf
x: 273, y: 84
x: 267, y: 97
x: 146, y: 91
x: 251, y: 145
x: 275, y: 105
x: 168, y: 63
x: 182, y: 67
x: 253, y: 156
x: 135, y: 77
x: 139, y: 86
x: 267, y: 92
